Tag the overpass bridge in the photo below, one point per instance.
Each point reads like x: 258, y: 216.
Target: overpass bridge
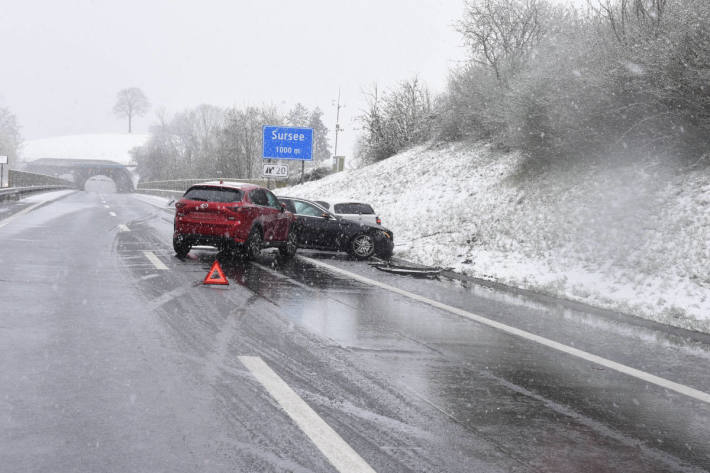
x: 81, y: 170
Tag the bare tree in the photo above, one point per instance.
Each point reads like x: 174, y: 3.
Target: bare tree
x: 9, y: 134
x: 501, y: 33
x: 625, y: 14
x: 129, y: 103
x: 400, y: 118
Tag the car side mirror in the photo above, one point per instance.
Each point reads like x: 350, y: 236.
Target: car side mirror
x: 283, y: 207
x: 326, y: 215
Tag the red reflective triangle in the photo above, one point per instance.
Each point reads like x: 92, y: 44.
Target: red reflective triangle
x: 215, y: 275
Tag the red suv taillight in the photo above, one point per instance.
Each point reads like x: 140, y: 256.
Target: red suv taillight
x: 378, y: 220
x: 232, y: 209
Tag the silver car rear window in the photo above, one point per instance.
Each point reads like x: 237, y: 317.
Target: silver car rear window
x: 353, y: 208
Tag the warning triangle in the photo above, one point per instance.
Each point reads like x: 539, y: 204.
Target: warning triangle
x: 215, y: 275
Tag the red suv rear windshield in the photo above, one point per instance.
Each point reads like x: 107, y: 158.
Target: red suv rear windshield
x: 213, y: 194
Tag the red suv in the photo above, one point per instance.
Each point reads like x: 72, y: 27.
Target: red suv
x: 233, y: 216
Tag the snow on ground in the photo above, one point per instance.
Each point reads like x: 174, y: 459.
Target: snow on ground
x: 110, y: 146
x: 631, y: 237
x: 46, y: 196
x: 35, y: 198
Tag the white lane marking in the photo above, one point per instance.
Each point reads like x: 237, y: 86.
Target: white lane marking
x: 28, y: 210
x: 282, y: 276
x: 123, y: 228
x: 168, y: 296
x: 336, y: 450
x: 155, y: 260
x: 107, y: 206
x: 642, y: 375
x: 113, y: 214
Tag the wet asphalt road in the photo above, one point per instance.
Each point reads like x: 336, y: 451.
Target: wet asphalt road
x: 110, y: 364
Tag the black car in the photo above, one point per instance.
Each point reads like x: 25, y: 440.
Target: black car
x: 319, y: 229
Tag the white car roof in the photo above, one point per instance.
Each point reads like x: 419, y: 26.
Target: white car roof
x: 336, y: 202
x: 332, y: 203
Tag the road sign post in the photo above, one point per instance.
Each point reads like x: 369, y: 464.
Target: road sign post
x: 292, y: 143
x: 3, y: 162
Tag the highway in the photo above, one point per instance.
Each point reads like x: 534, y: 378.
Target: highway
x: 114, y: 357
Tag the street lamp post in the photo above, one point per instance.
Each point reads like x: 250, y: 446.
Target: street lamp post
x: 337, y: 124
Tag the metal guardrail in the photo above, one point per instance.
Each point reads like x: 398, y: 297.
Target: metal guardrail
x: 19, y: 179
x: 161, y: 192
x: 184, y: 184
x: 22, y: 183
x: 14, y: 193
x: 176, y: 187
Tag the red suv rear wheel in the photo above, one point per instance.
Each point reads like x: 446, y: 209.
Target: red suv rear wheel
x: 181, y: 246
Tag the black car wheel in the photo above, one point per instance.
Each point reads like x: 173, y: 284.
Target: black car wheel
x: 362, y: 246
x: 254, y: 244
x: 181, y: 247
x: 289, y: 250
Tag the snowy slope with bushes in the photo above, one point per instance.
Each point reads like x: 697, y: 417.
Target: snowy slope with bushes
x: 630, y: 236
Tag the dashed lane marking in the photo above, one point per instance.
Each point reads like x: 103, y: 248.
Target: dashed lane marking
x: 283, y: 276
x: 149, y: 276
x: 155, y: 260
x: 329, y: 442
x: 168, y: 296
x: 642, y: 375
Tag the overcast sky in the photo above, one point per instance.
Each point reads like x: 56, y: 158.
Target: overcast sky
x: 64, y: 61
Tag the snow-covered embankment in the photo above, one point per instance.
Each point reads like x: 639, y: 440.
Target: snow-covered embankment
x: 630, y: 237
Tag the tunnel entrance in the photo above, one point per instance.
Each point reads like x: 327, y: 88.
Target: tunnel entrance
x: 100, y: 184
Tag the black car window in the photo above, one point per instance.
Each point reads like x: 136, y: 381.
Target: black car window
x: 353, y: 208
x: 272, y: 200
x: 213, y: 194
x: 258, y: 197
x: 303, y: 208
x: 323, y: 204
x: 289, y: 205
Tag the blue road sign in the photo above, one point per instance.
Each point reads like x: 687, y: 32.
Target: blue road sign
x: 285, y: 142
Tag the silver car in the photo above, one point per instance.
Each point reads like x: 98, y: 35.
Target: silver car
x: 357, y: 211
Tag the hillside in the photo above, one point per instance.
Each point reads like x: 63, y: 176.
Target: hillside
x: 111, y: 146
x: 632, y: 236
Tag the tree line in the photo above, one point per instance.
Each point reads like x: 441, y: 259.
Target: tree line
x: 562, y: 82
x: 9, y: 135
x: 211, y: 141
